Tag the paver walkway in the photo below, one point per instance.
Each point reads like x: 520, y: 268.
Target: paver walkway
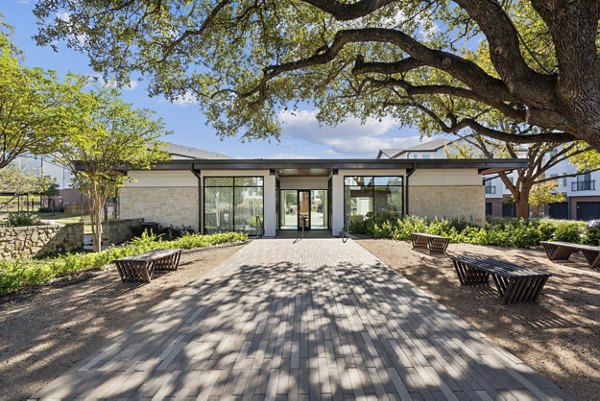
x: 309, y: 320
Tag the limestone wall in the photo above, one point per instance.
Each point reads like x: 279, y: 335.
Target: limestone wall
x: 452, y: 201
x: 177, y: 206
x: 34, y: 241
x: 115, y: 232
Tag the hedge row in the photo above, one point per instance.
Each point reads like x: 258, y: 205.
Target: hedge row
x: 16, y: 274
x: 512, y: 233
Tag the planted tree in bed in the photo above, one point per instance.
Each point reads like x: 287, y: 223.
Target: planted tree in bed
x: 105, y: 138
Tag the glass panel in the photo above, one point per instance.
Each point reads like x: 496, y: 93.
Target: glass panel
x: 218, y: 209
x: 248, y: 181
x: 359, y: 203
x: 388, y: 201
x: 249, y: 210
x: 397, y: 180
x: 289, y: 210
x: 318, y: 209
x: 218, y: 181
x: 363, y: 181
x: 304, y: 209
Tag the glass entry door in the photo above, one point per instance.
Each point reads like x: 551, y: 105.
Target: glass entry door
x: 288, y: 202
x: 303, y: 208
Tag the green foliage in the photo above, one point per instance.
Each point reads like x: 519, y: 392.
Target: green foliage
x: 19, y: 219
x: 510, y: 233
x: 16, y: 274
x: 32, y: 110
x: 591, y: 236
x: 19, y: 180
x: 106, y: 135
x: 545, y: 192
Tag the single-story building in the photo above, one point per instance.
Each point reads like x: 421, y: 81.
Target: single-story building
x: 264, y: 196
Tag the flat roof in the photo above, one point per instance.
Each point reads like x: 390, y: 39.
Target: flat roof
x: 484, y: 166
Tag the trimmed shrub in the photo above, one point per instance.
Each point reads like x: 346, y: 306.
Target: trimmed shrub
x: 505, y: 232
x: 16, y: 274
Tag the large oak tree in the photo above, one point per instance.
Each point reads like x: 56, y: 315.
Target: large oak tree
x: 246, y: 59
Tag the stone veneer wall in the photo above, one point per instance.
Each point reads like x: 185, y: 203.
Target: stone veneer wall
x: 115, y: 232
x: 461, y: 202
x: 177, y: 206
x: 34, y: 241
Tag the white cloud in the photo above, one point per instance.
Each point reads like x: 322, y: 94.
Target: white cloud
x: 187, y: 98
x: 351, y: 138
x: 63, y: 16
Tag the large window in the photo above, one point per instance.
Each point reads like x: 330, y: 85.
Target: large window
x: 233, y: 204
x: 368, y: 197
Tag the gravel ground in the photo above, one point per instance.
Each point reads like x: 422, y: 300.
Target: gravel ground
x: 46, y: 331
x: 559, y: 336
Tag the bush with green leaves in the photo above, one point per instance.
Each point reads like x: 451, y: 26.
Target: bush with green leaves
x: 16, y: 274
x: 19, y: 219
x: 503, y: 232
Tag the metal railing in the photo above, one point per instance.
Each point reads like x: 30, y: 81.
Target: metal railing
x: 589, y: 185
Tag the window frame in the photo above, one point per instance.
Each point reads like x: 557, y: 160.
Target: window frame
x: 372, y: 186
x: 233, y: 186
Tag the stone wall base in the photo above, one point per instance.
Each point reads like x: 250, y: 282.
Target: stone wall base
x: 176, y: 206
x: 36, y: 241
x: 450, y: 202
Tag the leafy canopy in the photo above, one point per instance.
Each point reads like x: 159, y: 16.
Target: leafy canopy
x: 532, y: 62
x: 31, y: 106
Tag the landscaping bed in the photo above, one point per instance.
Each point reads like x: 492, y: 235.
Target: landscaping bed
x: 47, y: 330
x: 559, y: 336
x: 22, y: 273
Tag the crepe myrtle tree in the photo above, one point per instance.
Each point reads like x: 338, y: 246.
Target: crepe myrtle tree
x: 106, y: 136
x: 245, y: 60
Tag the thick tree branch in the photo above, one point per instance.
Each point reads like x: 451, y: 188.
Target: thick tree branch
x: 559, y: 137
x: 349, y: 11
x: 462, y: 69
x: 412, y: 90
x: 505, y: 52
x: 408, y: 64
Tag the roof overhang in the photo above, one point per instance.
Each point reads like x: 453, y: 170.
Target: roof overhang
x: 483, y: 166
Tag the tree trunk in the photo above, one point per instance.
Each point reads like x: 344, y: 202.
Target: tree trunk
x: 97, y: 202
x: 522, y: 207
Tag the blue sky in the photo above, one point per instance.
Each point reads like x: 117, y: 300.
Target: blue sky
x: 302, y: 136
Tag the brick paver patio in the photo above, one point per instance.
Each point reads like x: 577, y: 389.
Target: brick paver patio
x: 302, y: 320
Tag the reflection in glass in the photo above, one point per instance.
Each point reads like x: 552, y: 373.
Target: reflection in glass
x: 369, y: 197
x: 289, y: 210
x: 248, y: 209
x: 233, y: 204
x: 303, y: 209
x: 218, y: 209
x: 318, y: 209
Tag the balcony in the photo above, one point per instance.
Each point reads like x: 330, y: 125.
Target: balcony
x: 490, y: 189
x: 589, y: 185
